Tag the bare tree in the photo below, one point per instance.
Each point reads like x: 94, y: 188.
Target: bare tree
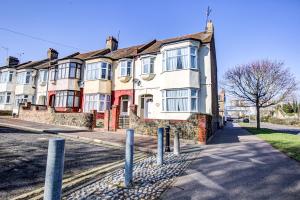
x: 261, y: 83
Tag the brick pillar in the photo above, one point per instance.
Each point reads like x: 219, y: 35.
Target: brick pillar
x: 94, y: 119
x: 114, y: 123
x: 133, y: 108
x: 106, y: 120
x: 202, y: 129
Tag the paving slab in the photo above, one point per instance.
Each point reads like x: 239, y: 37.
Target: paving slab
x: 238, y: 165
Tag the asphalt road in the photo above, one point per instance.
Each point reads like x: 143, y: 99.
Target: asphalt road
x: 282, y: 128
x: 23, y: 158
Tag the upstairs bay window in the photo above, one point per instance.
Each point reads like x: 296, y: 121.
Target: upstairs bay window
x: 180, y: 58
x: 67, y: 99
x: 24, y: 78
x: 99, y: 102
x: 125, y: 68
x: 148, y: 65
x: 180, y: 100
x: 67, y: 70
x: 98, y: 70
x: 6, y: 77
x: 43, y: 76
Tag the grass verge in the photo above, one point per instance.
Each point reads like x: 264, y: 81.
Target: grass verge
x: 285, y: 142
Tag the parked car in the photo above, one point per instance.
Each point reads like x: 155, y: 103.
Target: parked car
x: 229, y: 119
x: 246, y: 120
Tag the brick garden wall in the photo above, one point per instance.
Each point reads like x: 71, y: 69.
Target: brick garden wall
x: 199, y: 127
x: 42, y: 114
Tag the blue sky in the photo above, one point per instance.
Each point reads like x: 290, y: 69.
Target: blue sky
x: 244, y: 30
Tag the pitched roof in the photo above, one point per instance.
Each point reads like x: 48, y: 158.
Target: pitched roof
x: 15, y: 66
x: 92, y: 54
x: 147, y: 48
x: 32, y: 64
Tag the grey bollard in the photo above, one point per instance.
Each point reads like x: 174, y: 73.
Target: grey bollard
x: 176, y: 142
x: 160, y: 146
x: 55, y: 169
x: 167, y: 147
x: 129, y: 157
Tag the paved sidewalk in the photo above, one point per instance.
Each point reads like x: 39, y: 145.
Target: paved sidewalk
x: 142, y: 142
x: 238, y: 165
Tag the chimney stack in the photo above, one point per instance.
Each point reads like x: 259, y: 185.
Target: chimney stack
x: 12, y: 61
x: 111, y: 43
x: 52, y: 54
x: 209, y: 27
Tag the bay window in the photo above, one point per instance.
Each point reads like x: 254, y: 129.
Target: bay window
x: 67, y: 70
x: 43, y: 75
x: 24, y: 78
x: 125, y: 68
x: 180, y: 58
x: 6, y: 77
x: 99, y: 102
x: 98, y: 70
x: 148, y: 65
x: 5, y: 97
x: 67, y: 99
x: 21, y: 99
x: 53, y: 74
x: 180, y: 100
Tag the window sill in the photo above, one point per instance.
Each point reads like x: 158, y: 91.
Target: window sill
x: 147, y: 77
x: 179, y: 112
x: 197, y: 69
x: 124, y: 79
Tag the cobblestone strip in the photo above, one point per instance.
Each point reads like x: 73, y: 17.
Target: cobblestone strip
x: 150, y: 180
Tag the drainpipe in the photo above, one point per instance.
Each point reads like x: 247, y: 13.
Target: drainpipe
x: 48, y: 75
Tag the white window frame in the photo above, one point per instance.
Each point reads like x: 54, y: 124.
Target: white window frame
x: 189, y: 98
x: 22, y: 77
x: 94, y: 71
x: 23, y: 98
x: 124, y: 65
x: 149, y: 60
x: 92, y: 101
x: 189, y: 58
x: 43, y: 75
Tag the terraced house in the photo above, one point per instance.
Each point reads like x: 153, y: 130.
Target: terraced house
x: 169, y: 79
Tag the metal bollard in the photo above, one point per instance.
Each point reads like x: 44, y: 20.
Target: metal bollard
x: 55, y: 169
x: 167, y: 147
x: 160, y: 146
x: 176, y: 142
x: 129, y: 157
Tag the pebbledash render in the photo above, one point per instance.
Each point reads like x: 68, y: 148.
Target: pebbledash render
x: 167, y: 79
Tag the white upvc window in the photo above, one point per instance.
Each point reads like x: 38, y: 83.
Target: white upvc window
x: 98, y: 70
x: 24, y: 77
x: 6, y: 77
x: 21, y: 99
x: 5, y: 97
x: 43, y: 76
x: 125, y: 67
x: 180, y: 58
x: 99, y: 102
x: 180, y: 100
x: 148, y: 65
x: 66, y: 99
x: 67, y: 70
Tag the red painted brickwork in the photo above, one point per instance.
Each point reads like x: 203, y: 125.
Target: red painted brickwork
x: 114, y: 118
x: 118, y: 93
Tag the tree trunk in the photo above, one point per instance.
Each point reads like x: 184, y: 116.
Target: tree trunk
x: 257, y: 117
